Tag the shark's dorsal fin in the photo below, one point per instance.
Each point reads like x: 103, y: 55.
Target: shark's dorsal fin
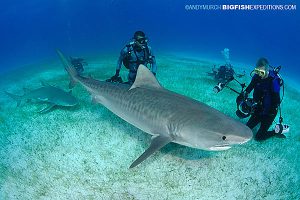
x: 145, y: 79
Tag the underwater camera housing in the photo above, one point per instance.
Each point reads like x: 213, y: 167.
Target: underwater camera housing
x: 221, y: 85
x: 245, y: 106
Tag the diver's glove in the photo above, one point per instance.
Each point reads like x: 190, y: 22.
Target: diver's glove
x: 244, y: 95
x: 117, y: 73
x: 116, y: 76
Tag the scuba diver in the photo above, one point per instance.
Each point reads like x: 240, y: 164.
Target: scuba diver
x: 265, y: 104
x: 78, y: 64
x: 132, y: 55
x: 225, y: 73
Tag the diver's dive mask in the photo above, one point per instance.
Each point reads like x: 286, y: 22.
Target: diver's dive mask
x: 142, y: 41
x: 260, y: 72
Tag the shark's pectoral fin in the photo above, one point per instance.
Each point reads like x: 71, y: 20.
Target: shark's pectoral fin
x: 157, y: 143
x: 46, y: 109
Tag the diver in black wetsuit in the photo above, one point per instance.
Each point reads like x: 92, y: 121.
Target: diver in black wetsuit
x: 224, y: 74
x: 266, y: 93
x: 78, y: 64
x: 132, y: 55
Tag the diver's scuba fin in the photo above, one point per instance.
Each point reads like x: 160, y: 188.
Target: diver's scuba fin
x: 281, y: 128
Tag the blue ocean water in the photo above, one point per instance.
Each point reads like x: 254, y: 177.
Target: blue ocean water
x: 84, y: 152
x: 32, y: 30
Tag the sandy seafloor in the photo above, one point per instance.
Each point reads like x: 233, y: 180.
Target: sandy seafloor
x: 85, y: 152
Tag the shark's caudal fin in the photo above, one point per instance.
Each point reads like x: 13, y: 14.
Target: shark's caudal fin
x: 17, y: 98
x: 157, y: 143
x: 145, y: 78
x: 69, y: 68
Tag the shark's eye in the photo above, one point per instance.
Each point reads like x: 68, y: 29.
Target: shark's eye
x: 224, y: 137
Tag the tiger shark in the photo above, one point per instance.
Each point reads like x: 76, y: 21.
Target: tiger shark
x: 166, y: 115
x: 51, y: 95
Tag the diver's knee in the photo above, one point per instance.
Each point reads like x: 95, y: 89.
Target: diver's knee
x: 259, y: 138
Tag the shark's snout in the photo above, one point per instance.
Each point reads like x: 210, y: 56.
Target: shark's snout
x: 242, y: 137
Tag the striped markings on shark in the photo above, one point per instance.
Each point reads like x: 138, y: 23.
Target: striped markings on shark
x: 166, y: 115
x: 51, y: 95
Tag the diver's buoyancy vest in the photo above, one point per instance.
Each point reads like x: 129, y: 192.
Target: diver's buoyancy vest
x: 264, y: 88
x: 127, y: 59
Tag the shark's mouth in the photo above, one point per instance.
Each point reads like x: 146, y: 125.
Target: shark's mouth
x: 220, y: 147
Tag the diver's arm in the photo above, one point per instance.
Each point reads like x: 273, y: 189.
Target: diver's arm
x: 152, y: 62
x: 153, y: 67
x: 120, y: 60
x: 251, y: 85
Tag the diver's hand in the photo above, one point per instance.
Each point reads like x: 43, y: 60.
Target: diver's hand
x: 116, y: 76
x: 244, y: 95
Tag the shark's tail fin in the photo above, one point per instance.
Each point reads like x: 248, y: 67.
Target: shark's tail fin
x: 17, y: 98
x: 69, y: 68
